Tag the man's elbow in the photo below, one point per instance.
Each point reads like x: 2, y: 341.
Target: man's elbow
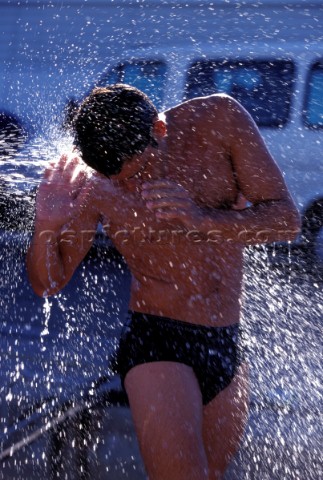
x: 40, y: 289
x: 44, y: 292
x: 292, y: 223
x: 44, y: 288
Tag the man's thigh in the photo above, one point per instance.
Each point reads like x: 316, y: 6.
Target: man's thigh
x: 166, y: 406
x: 224, y: 420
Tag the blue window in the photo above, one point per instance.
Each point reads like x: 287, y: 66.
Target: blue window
x: 313, y: 109
x: 147, y: 75
x: 263, y: 87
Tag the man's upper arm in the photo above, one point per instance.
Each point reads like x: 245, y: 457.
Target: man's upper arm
x: 258, y: 176
x: 77, y: 239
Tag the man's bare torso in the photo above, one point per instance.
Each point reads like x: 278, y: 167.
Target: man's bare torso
x: 178, y: 272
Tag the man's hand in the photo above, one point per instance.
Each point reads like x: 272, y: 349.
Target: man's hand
x: 63, y: 206
x: 62, y: 192
x: 170, y: 201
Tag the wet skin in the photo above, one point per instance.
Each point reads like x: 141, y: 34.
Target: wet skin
x: 178, y: 271
x: 171, y: 220
x: 175, y: 213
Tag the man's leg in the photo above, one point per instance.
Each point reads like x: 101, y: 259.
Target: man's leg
x: 224, y: 420
x: 166, y: 406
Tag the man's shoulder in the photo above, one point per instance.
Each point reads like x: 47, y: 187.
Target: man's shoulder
x: 200, y: 104
x: 205, y: 101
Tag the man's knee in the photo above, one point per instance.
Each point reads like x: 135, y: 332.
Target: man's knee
x: 173, y: 458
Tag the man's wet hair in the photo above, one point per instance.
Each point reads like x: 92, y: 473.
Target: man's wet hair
x: 112, y: 125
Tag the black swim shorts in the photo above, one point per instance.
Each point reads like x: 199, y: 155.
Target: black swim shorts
x: 212, y: 352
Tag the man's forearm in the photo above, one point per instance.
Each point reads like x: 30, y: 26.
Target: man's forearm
x: 44, y: 262
x: 56, y: 251
x: 266, y: 222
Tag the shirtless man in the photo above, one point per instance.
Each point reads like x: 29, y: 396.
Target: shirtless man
x: 172, y: 192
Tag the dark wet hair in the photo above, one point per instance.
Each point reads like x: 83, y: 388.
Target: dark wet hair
x: 112, y: 125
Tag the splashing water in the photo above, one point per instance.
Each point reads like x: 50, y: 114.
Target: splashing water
x: 53, y: 351
x: 46, y: 311
x: 282, y: 317
x: 55, y: 354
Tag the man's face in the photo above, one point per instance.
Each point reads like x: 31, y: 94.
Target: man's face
x: 138, y: 162
x: 131, y: 167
